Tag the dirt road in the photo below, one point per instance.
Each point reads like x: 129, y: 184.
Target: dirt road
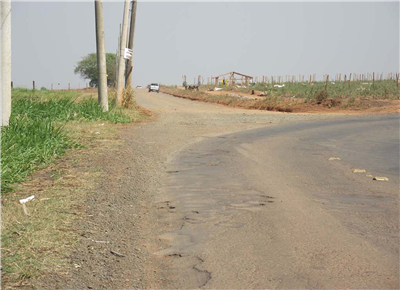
x: 146, y: 211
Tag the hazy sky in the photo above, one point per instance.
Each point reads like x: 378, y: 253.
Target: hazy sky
x: 208, y: 39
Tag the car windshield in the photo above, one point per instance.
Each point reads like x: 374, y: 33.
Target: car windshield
x: 154, y: 84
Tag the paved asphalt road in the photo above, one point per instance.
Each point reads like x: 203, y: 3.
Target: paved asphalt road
x: 265, y: 208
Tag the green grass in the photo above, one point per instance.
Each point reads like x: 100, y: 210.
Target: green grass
x: 36, y: 136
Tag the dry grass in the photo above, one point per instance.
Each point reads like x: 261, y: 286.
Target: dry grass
x: 39, y: 245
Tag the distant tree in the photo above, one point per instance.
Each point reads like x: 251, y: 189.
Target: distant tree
x: 87, y: 68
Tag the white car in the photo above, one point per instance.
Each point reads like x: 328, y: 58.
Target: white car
x: 154, y: 87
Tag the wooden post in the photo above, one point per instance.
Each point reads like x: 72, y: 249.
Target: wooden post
x: 373, y: 80
x: 397, y: 80
x: 349, y: 81
x: 12, y: 84
x: 340, y: 78
x: 33, y: 85
x: 69, y: 86
x: 326, y: 82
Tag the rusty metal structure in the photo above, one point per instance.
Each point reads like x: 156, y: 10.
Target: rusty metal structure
x: 234, y: 78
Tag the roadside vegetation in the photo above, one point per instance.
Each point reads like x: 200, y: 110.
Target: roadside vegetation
x: 386, y: 89
x: 48, y: 135
x: 297, y: 97
x: 36, y: 134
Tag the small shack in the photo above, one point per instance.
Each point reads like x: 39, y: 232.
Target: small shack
x: 234, y: 78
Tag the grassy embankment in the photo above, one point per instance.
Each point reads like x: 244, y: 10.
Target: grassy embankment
x: 44, y: 126
x: 294, y: 97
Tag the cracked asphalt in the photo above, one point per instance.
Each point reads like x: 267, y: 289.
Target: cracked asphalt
x: 229, y: 198
x: 264, y: 208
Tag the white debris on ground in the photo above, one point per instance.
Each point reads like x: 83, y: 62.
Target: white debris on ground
x: 25, y: 200
x: 279, y: 86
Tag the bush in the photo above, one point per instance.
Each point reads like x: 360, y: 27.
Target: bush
x: 321, y: 96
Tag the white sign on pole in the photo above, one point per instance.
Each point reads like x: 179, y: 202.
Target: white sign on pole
x: 127, y: 53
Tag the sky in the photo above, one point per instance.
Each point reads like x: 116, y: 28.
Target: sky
x: 208, y: 39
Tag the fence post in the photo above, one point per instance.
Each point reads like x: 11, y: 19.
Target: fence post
x: 326, y: 82
x: 12, y: 84
x: 373, y: 80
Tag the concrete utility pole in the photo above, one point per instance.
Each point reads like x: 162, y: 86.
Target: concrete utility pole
x: 5, y: 34
x: 101, y: 56
x: 129, y: 66
x: 121, y: 66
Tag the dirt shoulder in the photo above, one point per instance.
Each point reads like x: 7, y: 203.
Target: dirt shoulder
x: 359, y: 105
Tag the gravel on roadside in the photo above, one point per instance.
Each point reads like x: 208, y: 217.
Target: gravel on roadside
x: 122, y: 216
